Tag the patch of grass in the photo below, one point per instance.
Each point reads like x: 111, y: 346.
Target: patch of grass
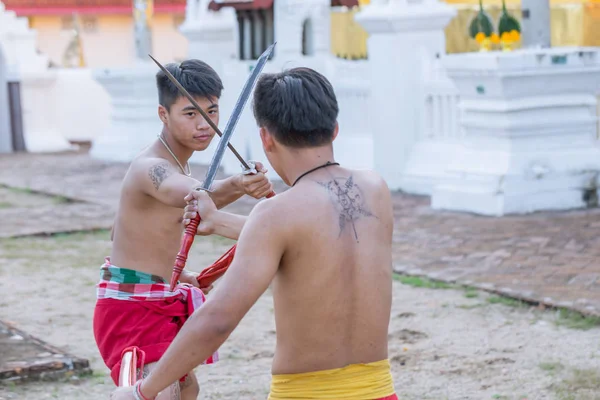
x: 6, y: 204
x: 575, y: 320
x: 95, y: 234
x: 98, y: 376
x: 471, y: 293
x: 81, y: 249
x: 33, y: 194
x: 61, y: 200
x: 416, y: 281
x: 19, y: 190
x: 507, y: 301
x: 469, y: 306
x: 582, y: 384
x: 586, y: 379
x: 551, y: 366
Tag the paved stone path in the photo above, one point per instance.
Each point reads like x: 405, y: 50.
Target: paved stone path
x: 26, y: 358
x: 551, y: 257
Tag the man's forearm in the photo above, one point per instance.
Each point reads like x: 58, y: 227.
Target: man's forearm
x: 228, y: 225
x: 226, y: 191
x: 198, y: 339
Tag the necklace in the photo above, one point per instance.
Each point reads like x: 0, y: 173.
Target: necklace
x: 327, y: 164
x: 189, y: 173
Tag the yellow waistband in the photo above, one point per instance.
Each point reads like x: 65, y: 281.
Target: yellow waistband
x: 353, y: 382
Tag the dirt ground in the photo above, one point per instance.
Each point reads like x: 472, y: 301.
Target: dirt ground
x: 445, y: 342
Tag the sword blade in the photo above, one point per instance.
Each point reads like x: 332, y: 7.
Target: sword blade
x: 234, y: 118
x: 200, y: 110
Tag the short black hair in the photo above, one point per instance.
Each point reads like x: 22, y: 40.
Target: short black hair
x: 298, y: 106
x: 197, y: 77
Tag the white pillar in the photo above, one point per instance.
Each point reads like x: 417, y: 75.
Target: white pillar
x: 134, y: 120
x: 211, y: 35
x: 536, y: 23
x: 530, y: 124
x: 258, y: 31
x: 212, y: 38
x: 269, y: 27
x: 403, y: 37
x: 40, y: 123
x: 37, y: 82
x: 6, y: 145
x: 247, y: 46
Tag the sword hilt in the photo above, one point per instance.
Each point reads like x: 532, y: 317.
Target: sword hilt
x: 186, y: 244
x: 128, y: 374
x: 250, y: 169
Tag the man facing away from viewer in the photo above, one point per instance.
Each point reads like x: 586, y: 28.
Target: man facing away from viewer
x: 135, y: 306
x: 324, y: 245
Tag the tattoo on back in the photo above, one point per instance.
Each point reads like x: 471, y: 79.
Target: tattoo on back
x: 348, y: 201
x: 159, y: 172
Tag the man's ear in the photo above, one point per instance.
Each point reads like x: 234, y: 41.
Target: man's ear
x: 267, y: 140
x: 163, y: 114
x: 335, y: 131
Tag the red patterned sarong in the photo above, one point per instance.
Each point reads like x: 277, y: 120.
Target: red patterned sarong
x: 137, y: 309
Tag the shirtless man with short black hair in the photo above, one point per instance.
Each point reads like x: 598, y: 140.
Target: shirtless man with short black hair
x: 135, y: 306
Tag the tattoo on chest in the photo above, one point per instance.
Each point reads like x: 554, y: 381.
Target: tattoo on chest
x: 348, y: 201
x: 159, y: 172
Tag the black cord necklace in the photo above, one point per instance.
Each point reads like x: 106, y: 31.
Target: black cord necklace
x: 327, y: 164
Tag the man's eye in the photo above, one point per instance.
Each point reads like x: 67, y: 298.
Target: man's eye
x: 191, y: 114
x: 213, y: 112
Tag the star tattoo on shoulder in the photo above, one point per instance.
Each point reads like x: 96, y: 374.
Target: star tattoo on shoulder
x: 159, y: 172
x: 348, y: 201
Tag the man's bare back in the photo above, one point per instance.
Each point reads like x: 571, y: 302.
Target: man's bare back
x: 332, y: 290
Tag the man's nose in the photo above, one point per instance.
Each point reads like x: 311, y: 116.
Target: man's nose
x: 202, y: 124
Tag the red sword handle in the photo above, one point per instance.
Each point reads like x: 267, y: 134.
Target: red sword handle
x: 186, y: 244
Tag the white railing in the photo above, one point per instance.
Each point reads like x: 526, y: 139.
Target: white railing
x: 441, y: 113
x: 440, y: 109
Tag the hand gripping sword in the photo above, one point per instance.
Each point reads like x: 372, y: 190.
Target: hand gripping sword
x: 190, y: 230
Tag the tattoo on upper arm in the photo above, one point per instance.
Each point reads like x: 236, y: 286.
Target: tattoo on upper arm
x: 159, y: 172
x: 348, y: 201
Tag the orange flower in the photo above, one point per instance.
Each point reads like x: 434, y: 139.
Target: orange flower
x: 480, y: 37
x: 506, y: 37
x: 514, y: 35
x: 495, y: 38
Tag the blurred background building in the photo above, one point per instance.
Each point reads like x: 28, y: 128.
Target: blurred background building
x: 100, y: 24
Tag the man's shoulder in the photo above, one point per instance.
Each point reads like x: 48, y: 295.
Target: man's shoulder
x: 144, y: 162
x: 146, y: 169
x: 150, y: 166
x: 369, y: 178
x: 274, y: 209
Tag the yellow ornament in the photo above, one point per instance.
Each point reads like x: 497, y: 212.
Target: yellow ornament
x: 480, y: 37
x: 514, y: 35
